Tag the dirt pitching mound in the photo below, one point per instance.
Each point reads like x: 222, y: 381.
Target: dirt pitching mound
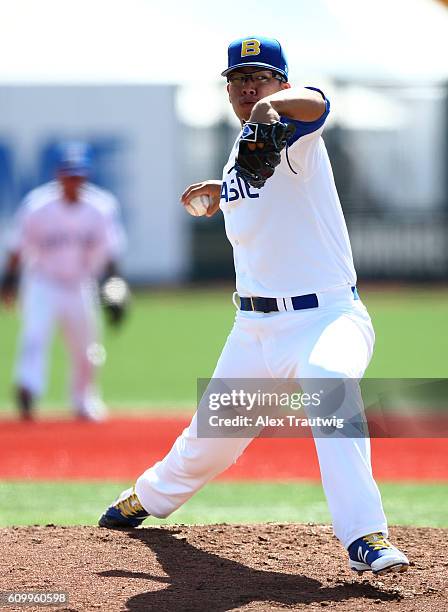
x: 216, y: 568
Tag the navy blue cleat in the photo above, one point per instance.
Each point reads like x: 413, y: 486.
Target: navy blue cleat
x: 125, y: 513
x: 374, y: 553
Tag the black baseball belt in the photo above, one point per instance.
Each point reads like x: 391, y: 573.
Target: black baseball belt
x: 298, y: 302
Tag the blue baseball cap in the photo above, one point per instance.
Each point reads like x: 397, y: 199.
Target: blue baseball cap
x: 257, y: 51
x: 74, y: 159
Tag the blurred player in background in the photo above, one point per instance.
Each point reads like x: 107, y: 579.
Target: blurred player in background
x: 66, y: 237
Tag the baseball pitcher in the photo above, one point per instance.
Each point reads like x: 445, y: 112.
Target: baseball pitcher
x: 299, y: 315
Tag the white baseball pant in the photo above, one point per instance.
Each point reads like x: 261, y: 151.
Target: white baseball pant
x: 43, y: 304
x: 333, y: 341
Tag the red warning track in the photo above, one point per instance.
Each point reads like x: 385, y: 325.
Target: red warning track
x: 121, y: 449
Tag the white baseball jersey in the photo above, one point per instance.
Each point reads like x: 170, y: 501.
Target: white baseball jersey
x: 67, y: 242
x: 289, y: 237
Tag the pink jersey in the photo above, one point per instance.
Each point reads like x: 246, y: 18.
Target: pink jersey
x: 67, y: 242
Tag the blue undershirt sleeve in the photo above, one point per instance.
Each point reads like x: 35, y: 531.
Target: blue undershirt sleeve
x: 307, y: 127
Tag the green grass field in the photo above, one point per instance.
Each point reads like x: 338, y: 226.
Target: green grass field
x: 82, y: 503
x: 174, y: 337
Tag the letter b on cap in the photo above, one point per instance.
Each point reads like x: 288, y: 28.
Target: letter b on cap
x: 251, y: 46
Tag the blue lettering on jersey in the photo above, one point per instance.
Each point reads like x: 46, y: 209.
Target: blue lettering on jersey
x: 58, y: 239
x: 236, y: 189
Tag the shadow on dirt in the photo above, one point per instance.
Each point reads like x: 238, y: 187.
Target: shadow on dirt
x: 198, y: 580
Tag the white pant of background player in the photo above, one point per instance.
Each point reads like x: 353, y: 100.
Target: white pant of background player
x: 44, y: 304
x: 334, y: 340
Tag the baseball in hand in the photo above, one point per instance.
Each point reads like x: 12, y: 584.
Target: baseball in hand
x: 198, y: 206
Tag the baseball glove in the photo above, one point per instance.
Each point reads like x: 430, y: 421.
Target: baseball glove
x: 9, y: 284
x: 114, y: 295
x: 259, y: 150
